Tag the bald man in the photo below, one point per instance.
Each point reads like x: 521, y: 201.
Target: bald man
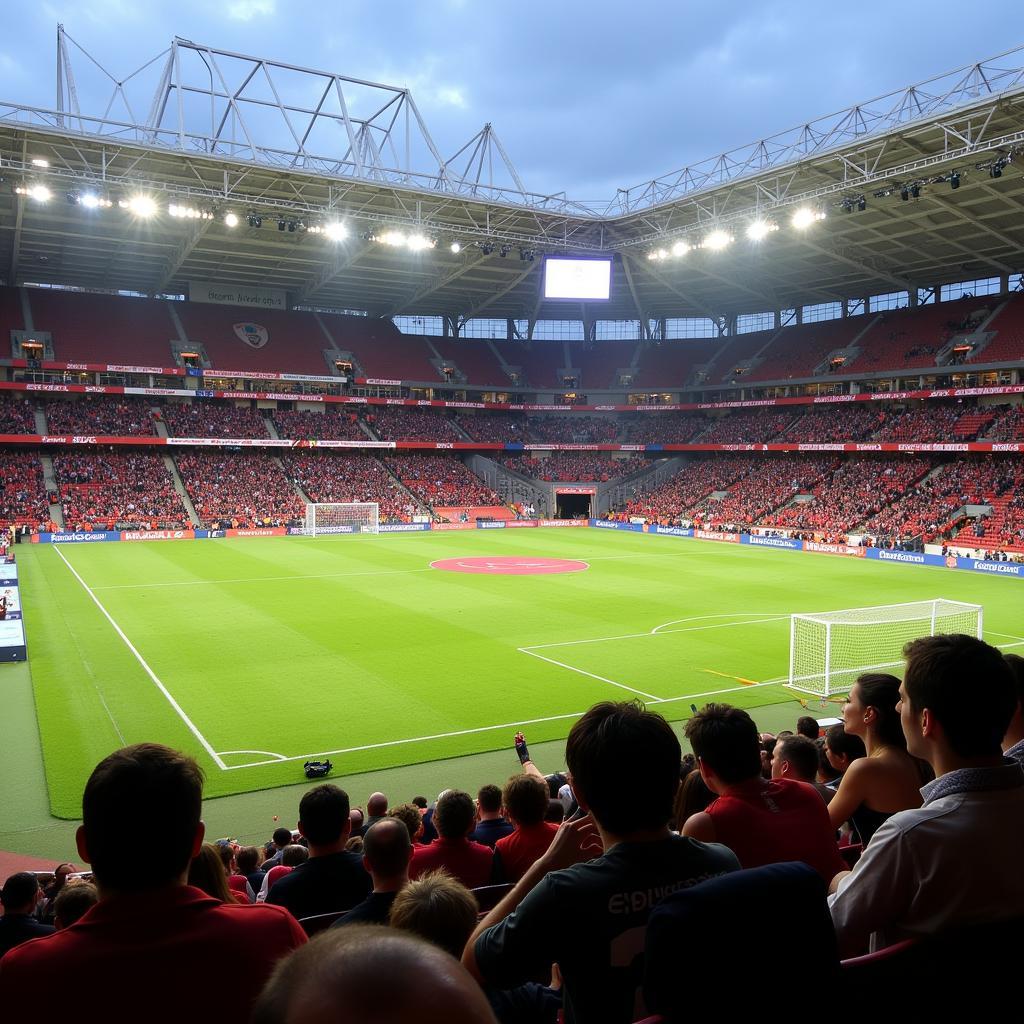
x: 376, y: 808
x: 366, y: 972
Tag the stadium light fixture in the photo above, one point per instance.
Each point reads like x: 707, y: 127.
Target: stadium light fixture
x: 281, y: 224
x: 504, y: 251
x: 679, y: 249
x: 40, y: 193
x: 717, y: 240
x: 804, y: 217
x: 486, y: 248
x: 760, y: 229
x: 954, y: 180
x: 417, y: 242
x: 862, y: 204
x: 231, y: 220
x: 335, y: 231
x: 254, y: 220
x: 38, y: 161
x: 456, y: 248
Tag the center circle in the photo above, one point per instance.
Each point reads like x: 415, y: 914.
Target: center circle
x: 511, y: 565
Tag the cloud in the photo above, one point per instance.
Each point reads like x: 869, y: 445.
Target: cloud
x: 247, y: 10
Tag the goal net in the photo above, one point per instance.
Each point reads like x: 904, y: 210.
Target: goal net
x: 342, y: 517
x: 828, y: 650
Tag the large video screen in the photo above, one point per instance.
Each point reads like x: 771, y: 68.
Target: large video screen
x: 582, y: 280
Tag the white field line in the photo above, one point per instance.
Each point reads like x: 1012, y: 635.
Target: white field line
x: 260, y: 579
x: 145, y: 665
x: 583, y: 672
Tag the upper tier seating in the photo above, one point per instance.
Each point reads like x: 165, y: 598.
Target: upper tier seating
x: 669, y: 364
x: 1008, y: 344
x: 295, y: 341
x: 105, y: 328
x: 907, y: 339
x: 573, y: 466
x: 505, y: 427
x: 796, y: 351
x: 382, y: 350
x: 665, y: 427
x: 834, y: 423
x: 397, y: 423
x: 23, y: 496
x: 206, y: 419
x: 110, y: 490
x: 124, y: 417
x: 598, y: 362
x: 473, y: 357
x: 1008, y: 425
x: 759, y: 425
x: 542, y: 362
x: 17, y: 415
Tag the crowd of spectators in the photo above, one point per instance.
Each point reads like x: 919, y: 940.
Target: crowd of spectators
x: 207, y: 419
x: 335, y: 476
x: 441, y: 480
x: 239, y: 489
x: 117, y: 490
x: 606, y: 877
x: 1008, y: 424
x: 857, y: 490
x: 770, y: 484
x: 23, y: 498
x: 17, y: 415
x: 330, y: 425
x: 928, y: 509
x: 573, y: 466
x: 927, y: 423
x: 573, y: 429
x: 505, y: 427
x: 670, y: 502
x: 399, y: 423
x: 835, y: 423
x: 760, y: 425
x: 664, y: 427
x: 111, y: 415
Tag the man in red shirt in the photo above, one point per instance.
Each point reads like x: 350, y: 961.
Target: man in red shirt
x: 153, y: 947
x: 454, y: 818
x: 525, y: 798
x: 763, y: 821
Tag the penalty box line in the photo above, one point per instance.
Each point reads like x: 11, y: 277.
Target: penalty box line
x: 145, y: 665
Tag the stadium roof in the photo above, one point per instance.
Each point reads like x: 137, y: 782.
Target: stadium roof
x: 226, y: 133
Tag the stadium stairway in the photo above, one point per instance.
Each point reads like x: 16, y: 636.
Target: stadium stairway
x: 179, y: 489
x: 271, y: 426
x: 52, y: 490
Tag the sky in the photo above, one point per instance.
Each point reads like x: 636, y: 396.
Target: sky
x: 586, y: 97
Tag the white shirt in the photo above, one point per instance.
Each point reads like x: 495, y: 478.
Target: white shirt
x: 954, y: 862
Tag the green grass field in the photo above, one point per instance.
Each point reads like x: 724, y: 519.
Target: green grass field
x: 255, y: 655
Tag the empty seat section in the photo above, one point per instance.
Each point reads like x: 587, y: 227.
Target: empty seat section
x: 381, y: 348
x: 796, y: 351
x: 543, y: 362
x: 597, y: 363
x: 1008, y: 344
x: 741, y: 348
x: 10, y: 317
x: 277, y: 340
x: 669, y: 364
x: 104, y: 328
x: 474, y: 358
x: 906, y: 339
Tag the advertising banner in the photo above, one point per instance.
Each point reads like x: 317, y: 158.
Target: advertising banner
x: 158, y: 535
x: 498, y: 524
x: 833, y: 549
x: 907, y: 557
x: 403, y: 527
x: 719, y: 535
x: 671, y: 531
x: 607, y: 524
x: 562, y: 522
x: 453, y: 526
x: 517, y: 523
x: 257, y: 531
x: 772, y: 542
x: 575, y: 490
x: 992, y: 568
x: 85, y: 537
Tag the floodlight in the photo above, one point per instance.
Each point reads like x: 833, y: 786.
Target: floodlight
x: 335, y: 231
x: 392, y: 238
x: 455, y: 248
x: 417, y: 242
x: 486, y: 248
x: 803, y: 218
x: 661, y: 254
x: 38, y: 161
x: 717, y: 240
x: 504, y: 251
x: 759, y: 229
x: 40, y: 193
x: 281, y: 225
x: 231, y: 220
x: 254, y: 220
x: 141, y: 205
x: 680, y: 249
x: 89, y: 200
x: 904, y: 193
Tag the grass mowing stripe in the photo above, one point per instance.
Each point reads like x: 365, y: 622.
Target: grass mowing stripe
x: 145, y: 665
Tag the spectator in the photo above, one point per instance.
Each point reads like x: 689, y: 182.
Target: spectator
x: 376, y: 808
x: 333, y: 878
x: 282, y: 837
x: 796, y: 757
x: 50, y: 892
x: 1013, y: 741
x: 387, y: 850
x: 808, y: 726
x: 227, y: 850
x: 364, y: 973
x: 525, y: 798
x: 888, y: 779
x: 575, y: 914
x: 957, y: 859
x: 437, y: 908
x: 20, y: 896
x: 73, y: 902
x: 291, y: 857
x: 409, y: 815
x: 247, y: 860
x: 692, y: 797
x: 491, y: 824
x: 148, y: 921
x: 841, y: 750
x: 206, y: 872
x: 355, y: 815
x: 471, y: 863
x: 763, y: 821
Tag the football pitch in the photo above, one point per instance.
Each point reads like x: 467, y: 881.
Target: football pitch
x: 258, y: 654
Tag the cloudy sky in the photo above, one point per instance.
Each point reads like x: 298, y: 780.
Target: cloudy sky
x: 586, y: 96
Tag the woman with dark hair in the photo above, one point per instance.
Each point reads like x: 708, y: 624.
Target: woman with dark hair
x: 888, y: 779
x: 53, y: 890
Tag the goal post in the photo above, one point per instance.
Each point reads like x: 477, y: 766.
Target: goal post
x: 325, y: 518
x: 828, y: 650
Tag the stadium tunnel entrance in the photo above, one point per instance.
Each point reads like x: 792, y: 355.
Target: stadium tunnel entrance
x: 573, y: 506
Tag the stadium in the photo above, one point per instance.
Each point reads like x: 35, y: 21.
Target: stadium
x: 320, y: 444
